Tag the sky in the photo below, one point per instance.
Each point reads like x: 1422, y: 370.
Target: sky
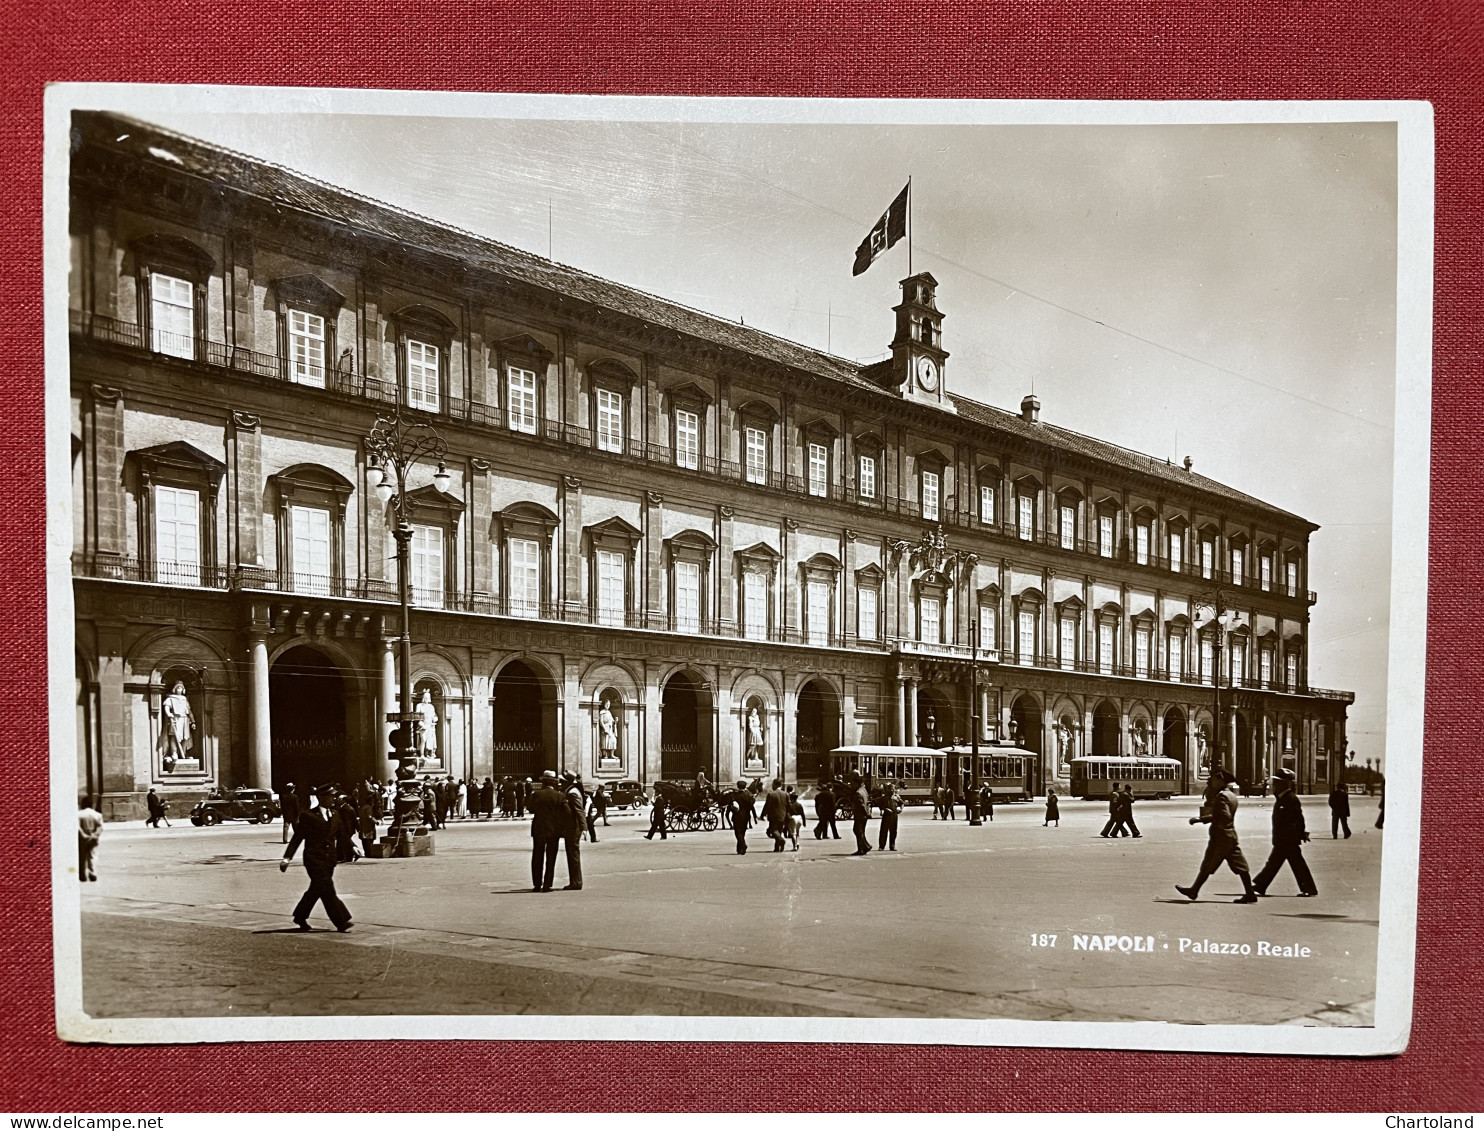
x: 1226, y: 292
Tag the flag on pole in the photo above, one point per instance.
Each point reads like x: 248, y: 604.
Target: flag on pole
x: 891, y: 227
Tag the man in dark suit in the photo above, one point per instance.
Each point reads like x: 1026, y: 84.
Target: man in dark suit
x: 775, y: 812
x: 891, y: 808
x: 156, y: 809
x: 288, y: 803
x: 1289, y: 835
x: 657, y: 816
x: 548, y: 818
x: 318, y: 829
x: 575, y: 829
x: 1115, y: 811
x: 1339, y: 810
x: 824, y: 809
x: 1126, y: 812
x: 742, y: 815
x: 859, y: 799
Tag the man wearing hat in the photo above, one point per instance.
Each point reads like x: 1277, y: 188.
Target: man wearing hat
x: 548, y: 818
x: 1220, y: 812
x: 574, y: 829
x: 742, y: 815
x: 1289, y: 835
x: 318, y: 829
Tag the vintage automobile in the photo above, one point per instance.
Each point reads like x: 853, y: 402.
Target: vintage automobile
x: 252, y: 805
x: 627, y: 793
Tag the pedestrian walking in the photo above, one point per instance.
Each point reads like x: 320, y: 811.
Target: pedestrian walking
x: 157, y: 808
x: 860, y: 812
x: 1220, y: 812
x: 657, y: 813
x: 600, y: 804
x: 1289, y: 835
x: 572, y: 832
x: 366, y: 824
x: 796, y: 817
x: 824, y: 810
x: 1115, y: 807
x: 590, y: 816
x: 1053, y: 809
x: 1126, y: 813
x: 89, y: 833
x: 742, y: 815
x: 986, y: 802
x: 345, y: 847
x: 891, y: 810
x: 1339, y: 810
x: 319, y: 831
x: 775, y: 812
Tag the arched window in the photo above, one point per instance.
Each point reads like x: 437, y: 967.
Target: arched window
x: 522, y: 362
x: 423, y: 337
x: 307, y: 310
x: 689, y: 554
x: 311, y: 503
x: 524, y: 532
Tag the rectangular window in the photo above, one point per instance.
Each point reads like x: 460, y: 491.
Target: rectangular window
x: 1265, y: 666
x: 866, y: 482
x: 1068, y: 528
x: 311, y: 551
x: 609, y: 565
x: 1141, y: 543
x: 427, y: 567
x: 986, y: 505
x: 1208, y: 558
x: 1208, y: 661
x: 306, y: 348
x: 930, y: 496
x: 988, y: 634
x: 422, y: 375
x: 1105, y: 648
x: 522, y: 414
x: 172, y: 316
x: 755, y: 605
x: 1237, y: 667
x: 930, y: 620
x: 819, y: 612
x: 1068, y: 642
x: 1290, y: 663
x: 1141, y: 653
x: 1292, y: 573
x: 1238, y: 565
x: 610, y: 421
x: 1175, y: 661
x: 688, y: 596
x: 756, y: 463
x: 866, y: 614
x: 1025, y: 507
x: 178, y: 535
x: 1177, y: 552
x: 525, y: 577
x: 687, y: 439
x: 1265, y: 572
x: 819, y: 470
x: 1105, y: 535
x: 1027, y: 641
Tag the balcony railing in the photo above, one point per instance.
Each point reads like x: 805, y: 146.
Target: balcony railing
x: 346, y: 382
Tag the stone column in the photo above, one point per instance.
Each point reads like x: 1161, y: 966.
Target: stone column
x: 259, y: 728
x: 387, y: 701
x: 105, y: 535
x: 118, y: 784
x: 788, y: 756
x: 1230, y: 761
x: 898, y: 708
x: 911, y: 694
x: 647, y: 764
x: 576, y: 731
x: 727, y: 760
x: 481, y: 721
x: 849, y: 728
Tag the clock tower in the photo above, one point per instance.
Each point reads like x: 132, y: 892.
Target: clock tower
x: 917, y: 355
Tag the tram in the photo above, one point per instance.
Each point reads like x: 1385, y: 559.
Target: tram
x: 1150, y: 777
x: 918, y: 770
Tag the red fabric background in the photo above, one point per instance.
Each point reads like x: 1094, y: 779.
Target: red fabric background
x: 1263, y: 49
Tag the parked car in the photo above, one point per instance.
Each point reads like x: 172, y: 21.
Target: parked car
x: 252, y: 805
x: 627, y: 793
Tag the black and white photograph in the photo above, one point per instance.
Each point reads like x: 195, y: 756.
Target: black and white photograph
x: 736, y: 569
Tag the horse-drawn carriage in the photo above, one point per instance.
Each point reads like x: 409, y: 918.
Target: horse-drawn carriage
x: 689, y: 806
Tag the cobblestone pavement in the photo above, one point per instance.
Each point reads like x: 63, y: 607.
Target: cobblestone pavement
x: 194, y: 922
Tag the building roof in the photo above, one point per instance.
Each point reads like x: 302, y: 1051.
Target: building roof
x: 219, y: 166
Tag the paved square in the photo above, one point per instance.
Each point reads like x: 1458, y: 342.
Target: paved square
x: 195, y: 922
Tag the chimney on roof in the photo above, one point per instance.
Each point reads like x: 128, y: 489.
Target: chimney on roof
x: 1030, y: 409
x: 1189, y: 463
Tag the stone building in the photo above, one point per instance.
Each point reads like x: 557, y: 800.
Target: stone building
x: 680, y: 517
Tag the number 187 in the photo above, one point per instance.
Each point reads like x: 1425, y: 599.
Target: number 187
x: 1043, y: 940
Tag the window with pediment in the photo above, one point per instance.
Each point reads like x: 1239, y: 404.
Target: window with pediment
x: 757, y: 569
x: 1143, y: 630
x: 818, y: 438
x: 424, y: 337
x: 819, y: 577
x: 1143, y: 540
x: 868, y: 450
x: 868, y: 583
x: 434, y: 517
x: 755, y: 422
x: 610, y: 570
x: 930, y: 485
x: 307, y: 310
x: 522, y: 362
x: 176, y: 487
x: 171, y: 275
x: 989, y: 483
x: 1069, y: 633
x: 689, y: 554
x: 989, y: 618
x: 524, y: 533
x: 1175, y: 540
x: 1027, y: 492
x: 1026, y: 609
x: 1068, y: 502
x: 612, y: 385
x: 688, y: 404
x: 311, y: 502
x: 1107, y: 625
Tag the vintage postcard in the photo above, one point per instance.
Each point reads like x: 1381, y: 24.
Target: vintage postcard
x: 736, y: 569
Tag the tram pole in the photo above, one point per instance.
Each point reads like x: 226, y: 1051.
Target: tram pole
x: 972, y: 801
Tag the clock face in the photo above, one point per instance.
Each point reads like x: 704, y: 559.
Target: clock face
x: 927, y: 373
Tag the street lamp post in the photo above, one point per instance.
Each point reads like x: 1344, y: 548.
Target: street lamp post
x: 975, y: 818
x: 393, y: 448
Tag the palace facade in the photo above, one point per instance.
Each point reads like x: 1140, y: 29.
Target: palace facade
x: 681, y: 517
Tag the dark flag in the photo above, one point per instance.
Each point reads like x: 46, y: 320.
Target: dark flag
x: 891, y: 227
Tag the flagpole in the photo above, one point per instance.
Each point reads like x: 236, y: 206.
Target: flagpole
x: 909, y: 225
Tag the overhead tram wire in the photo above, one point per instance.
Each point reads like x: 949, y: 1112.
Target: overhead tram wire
x: 1014, y: 290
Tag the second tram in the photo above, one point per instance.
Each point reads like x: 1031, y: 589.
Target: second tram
x: 918, y: 770
x: 1150, y: 777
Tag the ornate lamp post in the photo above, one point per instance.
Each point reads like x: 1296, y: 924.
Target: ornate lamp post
x: 1215, y: 600
x: 393, y: 448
